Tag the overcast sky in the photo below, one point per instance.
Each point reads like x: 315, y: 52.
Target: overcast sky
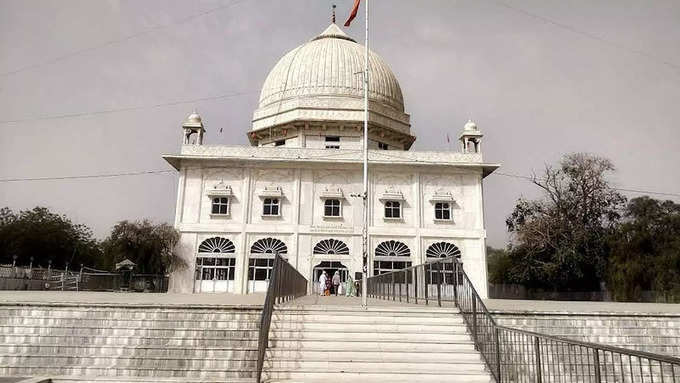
x: 540, y: 78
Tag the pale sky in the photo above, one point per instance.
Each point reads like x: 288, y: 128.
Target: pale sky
x: 540, y: 78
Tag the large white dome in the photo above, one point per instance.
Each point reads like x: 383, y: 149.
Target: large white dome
x: 330, y: 65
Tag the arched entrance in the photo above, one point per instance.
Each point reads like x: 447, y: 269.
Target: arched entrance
x: 330, y: 267
x: 261, y: 262
x: 215, y: 266
x: 442, y: 250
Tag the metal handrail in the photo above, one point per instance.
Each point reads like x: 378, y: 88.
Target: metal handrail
x: 285, y: 284
x: 515, y: 355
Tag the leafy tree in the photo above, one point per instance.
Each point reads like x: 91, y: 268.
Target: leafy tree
x: 499, y: 264
x: 645, y: 250
x: 560, y: 241
x: 151, y: 247
x: 44, y: 235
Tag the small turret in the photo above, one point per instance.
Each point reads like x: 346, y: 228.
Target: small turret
x: 471, y: 138
x: 193, y: 125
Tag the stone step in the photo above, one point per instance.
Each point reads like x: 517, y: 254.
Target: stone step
x: 156, y: 323
x: 139, y: 314
x: 113, y: 371
x: 104, y: 379
x: 338, y: 376
x: 366, y: 335
x: 129, y: 332
x: 131, y: 362
x: 375, y: 366
x: 372, y: 345
x: 450, y: 356
x: 375, y: 319
x: 236, y: 353
x: 362, y: 326
x: 397, y: 308
x: 128, y: 341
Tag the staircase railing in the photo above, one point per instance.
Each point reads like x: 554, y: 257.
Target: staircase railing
x: 285, y: 284
x: 514, y: 355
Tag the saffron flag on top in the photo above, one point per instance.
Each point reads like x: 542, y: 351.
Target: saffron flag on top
x: 353, y: 14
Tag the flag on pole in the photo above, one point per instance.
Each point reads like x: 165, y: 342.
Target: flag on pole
x: 353, y: 14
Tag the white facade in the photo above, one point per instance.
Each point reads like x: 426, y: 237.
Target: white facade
x: 294, y: 191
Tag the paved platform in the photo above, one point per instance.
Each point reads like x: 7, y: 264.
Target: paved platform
x: 130, y: 299
x: 579, y: 307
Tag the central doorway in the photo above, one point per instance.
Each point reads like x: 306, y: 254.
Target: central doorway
x: 330, y: 267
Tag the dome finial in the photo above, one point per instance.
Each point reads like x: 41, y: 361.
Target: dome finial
x: 333, y: 18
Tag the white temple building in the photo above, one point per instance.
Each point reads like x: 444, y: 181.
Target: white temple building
x: 296, y: 190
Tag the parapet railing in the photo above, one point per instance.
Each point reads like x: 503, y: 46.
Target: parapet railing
x: 514, y: 355
x: 285, y: 284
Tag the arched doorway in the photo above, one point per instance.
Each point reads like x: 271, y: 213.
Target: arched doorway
x: 261, y: 261
x: 215, y: 266
x: 330, y: 267
x: 328, y: 248
x: 442, y: 250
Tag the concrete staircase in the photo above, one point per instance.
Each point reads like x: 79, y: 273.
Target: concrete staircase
x: 655, y: 333
x: 314, y: 343
x: 85, y: 342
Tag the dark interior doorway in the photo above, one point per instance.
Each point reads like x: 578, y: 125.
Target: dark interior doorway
x: 330, y: 267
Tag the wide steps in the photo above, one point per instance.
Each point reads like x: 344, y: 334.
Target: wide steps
x: 122, y: 351
x: 393, y: 344
x: 127, y: 331
x: 340, y: 376
x: 126, y: 343
x: 108, y: 371
x: 395, y: 356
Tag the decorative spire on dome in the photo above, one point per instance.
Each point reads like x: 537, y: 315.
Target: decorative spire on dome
x: 333, y: 18
x: 333, y: 32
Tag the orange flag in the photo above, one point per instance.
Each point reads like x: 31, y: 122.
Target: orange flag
x: 353, y: 14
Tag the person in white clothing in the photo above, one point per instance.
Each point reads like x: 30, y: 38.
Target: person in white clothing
x: 322, y: 282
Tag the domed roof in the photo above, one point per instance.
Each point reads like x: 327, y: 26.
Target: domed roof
x: 470, y: 126
x: 331, y: 65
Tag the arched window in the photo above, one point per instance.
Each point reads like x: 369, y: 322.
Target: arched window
x: 215, y: 265
x: 331, y: 246
x: 262, y: 260
x: 216, y: 245
x: 442, y: 250
x: 269, y: 246
x: 392, y: 249
x: 390, y: 256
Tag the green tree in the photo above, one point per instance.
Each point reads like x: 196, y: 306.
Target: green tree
x: 151, y: 247
x: 44, y: 235
x: 560, y: 241
x: 645, y: 250
x: 499, y: 265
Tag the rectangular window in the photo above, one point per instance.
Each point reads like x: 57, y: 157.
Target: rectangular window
x: 392, y: 209
x: 260, y: 268
x: 220, y: 205
x: 220, y: 269
x: 442, y: 211
x: 382, y: 145
x: 271, y: 207
x: 280, y: 143
x: 331, y: 208
x: 332, y: 142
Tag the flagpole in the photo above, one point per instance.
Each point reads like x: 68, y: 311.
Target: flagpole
x: 364, y: 239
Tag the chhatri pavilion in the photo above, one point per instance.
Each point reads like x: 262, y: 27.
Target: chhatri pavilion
x: 296, y: 191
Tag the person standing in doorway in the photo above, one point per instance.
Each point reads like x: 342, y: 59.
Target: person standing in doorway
x: 322, y: 282
x: 336, y: 282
